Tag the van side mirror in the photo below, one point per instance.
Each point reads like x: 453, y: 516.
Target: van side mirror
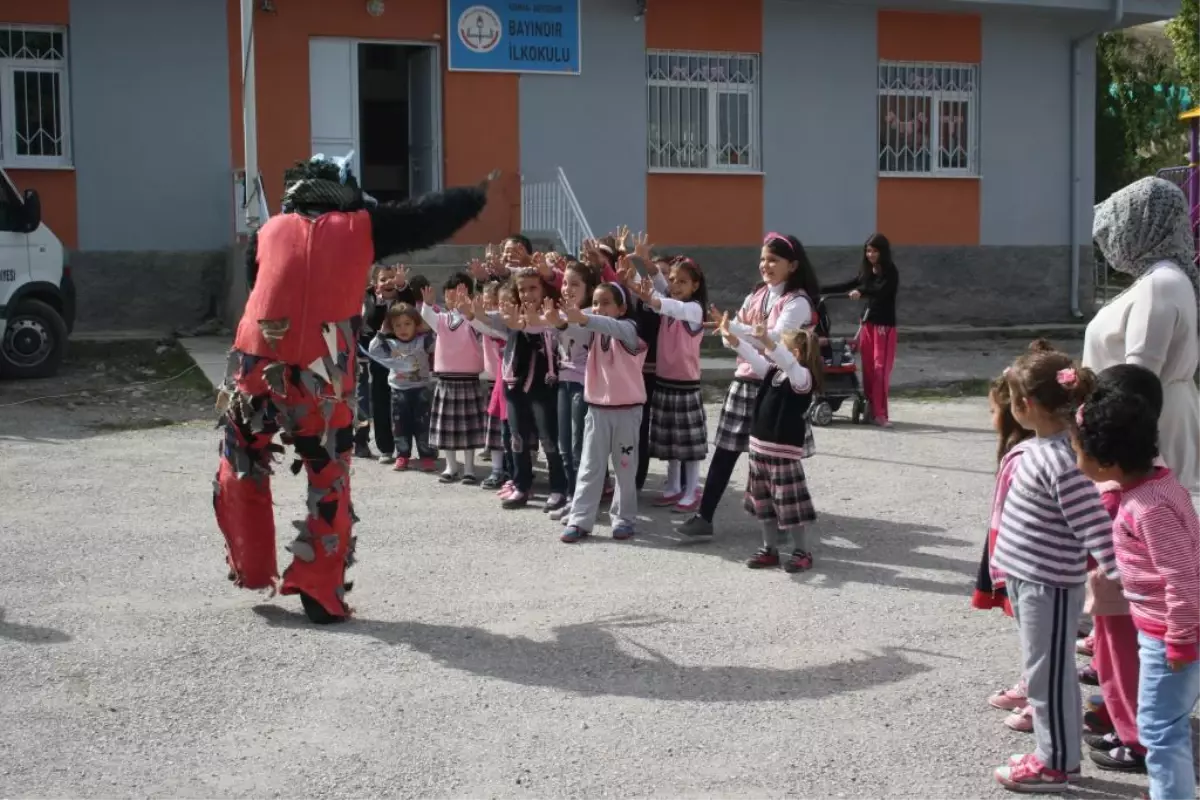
x: 33, y: 210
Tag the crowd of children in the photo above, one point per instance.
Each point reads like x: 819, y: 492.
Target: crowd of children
x: 1086, y: 518
x: 596, y: 359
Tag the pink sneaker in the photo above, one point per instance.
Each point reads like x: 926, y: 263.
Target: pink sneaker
x: 1010, y: 699
x: 401, y: 464
x: 1086, y: 646
x: 664, y: 499
x: 1021, y: 720
x: 1027, y: 774
x: 427, y: 464
x: 688, y: 505
x: 507, y: 489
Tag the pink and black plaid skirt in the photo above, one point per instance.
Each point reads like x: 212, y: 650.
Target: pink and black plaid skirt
x: 733, y: 426
x: 456, y: 419
x: 777, y: 490
x: 493, y: 433
x: 678, y: 425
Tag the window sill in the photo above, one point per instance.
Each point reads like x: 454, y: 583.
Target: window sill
x: 944, y: 176
x: 37, y: 167
x: 710, y: 171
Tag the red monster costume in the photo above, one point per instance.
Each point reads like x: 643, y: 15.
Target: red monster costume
x: 291, y: 371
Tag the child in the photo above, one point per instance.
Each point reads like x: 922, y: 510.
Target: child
x: 405, y: 349
x: 456, y: 421
x: 374, y: 392
x: 1157, y: 541
x: 678, y: 426
x: 579, y: 282
x: 498, y: 446
x: 614, y: 393
x: 530, y: 374
x: 776, y: 491
x: 784, y: 301
x: 1053, y: 516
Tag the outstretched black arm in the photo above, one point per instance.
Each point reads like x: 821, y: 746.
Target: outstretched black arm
x: 417, y: 224
x: 252, y: 259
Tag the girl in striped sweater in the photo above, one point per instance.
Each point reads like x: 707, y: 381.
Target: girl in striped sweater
x: 1156, y: 536
x: 1053, y: 517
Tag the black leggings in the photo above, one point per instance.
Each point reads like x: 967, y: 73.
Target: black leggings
x: 381, y: 409
x: 720, y: 470
x: 650, y: 381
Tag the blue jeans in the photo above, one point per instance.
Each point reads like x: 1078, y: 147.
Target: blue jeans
x: 572, y: 409
x: 410, y: 420
x: 1165, y: 700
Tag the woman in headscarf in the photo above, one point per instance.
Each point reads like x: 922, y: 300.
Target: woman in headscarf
x: 1145, y: 231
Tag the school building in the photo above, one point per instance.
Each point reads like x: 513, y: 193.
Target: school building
x: 962, y: 129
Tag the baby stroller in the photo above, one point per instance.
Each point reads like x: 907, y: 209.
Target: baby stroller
x: 841, y: 375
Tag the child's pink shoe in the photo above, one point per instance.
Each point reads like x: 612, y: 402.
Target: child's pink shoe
x: 664, y: 499
x: 1086, y: 646
x: 401, y: 464
x: 688, y: 505
x: 508, y: 488
x: 1009, y: 699
x: 1020, y: 720
x: 427, y: 465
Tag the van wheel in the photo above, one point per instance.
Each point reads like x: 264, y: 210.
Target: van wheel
x: 35, y: 340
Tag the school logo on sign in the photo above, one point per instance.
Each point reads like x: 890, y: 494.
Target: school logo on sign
x: 479, y: 29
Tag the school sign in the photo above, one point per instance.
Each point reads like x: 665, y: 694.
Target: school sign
x: 502, y: 36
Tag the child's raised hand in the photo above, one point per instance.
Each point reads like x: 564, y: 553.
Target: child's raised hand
x: 726, y: 334
x: 643, y: 288
x: 575, y: 316
x: 477, y: 270
x: 542, y: 266
x: 427, y: 296
x: 622, y: 236
x: 553, y: 260
x: 642, y: 247
x: 715, y: 317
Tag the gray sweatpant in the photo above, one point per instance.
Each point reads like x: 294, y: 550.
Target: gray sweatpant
x: 608, y: 433
x: 1048, y: 619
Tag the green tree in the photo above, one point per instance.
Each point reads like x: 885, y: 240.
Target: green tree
x: 1184, y: 33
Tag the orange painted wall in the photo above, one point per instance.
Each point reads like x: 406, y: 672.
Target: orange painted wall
x: 930, y: 211
x: 700, y: 208
x: 470, y: 149
x: 55, y: 187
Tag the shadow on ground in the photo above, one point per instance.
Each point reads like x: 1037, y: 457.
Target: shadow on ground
x: 30, y: 634
x: 587, y: 658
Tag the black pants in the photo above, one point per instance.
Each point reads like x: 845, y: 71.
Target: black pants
x: 381, y: 409
x: 533, y: 415
x: 650, y: 381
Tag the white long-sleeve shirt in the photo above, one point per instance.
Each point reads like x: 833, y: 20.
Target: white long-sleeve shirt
x: 797, y: 374
x: 795, y: 315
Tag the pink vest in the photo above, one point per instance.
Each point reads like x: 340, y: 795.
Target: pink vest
x: 756, y: 314
x: 614, y: 373
x: 493, y: 353
x: 679, y: 350
x: 457, y: 351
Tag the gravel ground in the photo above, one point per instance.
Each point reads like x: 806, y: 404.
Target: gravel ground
x: 486, y: 658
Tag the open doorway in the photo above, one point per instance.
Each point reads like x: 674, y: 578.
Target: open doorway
x: 383, y: 101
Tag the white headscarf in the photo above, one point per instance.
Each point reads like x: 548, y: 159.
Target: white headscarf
x: 1143, y: 224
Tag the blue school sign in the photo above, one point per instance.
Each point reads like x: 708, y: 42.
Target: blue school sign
x: 512, y: 36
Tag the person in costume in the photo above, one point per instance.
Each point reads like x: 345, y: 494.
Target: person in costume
x: 292, y: 370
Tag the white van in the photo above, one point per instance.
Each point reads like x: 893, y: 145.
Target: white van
x: 37, y: 295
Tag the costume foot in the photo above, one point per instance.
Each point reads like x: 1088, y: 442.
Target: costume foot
x: 316, y: 612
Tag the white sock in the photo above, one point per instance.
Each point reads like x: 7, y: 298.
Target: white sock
x: 497, y: 461
x: 672, y: 484
x: 691, y: 479
x: 451, y: 461
x: 469, y: 460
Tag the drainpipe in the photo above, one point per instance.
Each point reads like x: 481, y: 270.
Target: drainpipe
x: 1118, y: 13
x: 249, y: 116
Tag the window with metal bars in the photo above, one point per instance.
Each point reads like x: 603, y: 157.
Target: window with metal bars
x: 928, y: 119
x: 702, y: 111
x: 34, y: 108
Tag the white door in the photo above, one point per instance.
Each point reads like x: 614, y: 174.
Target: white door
x: 14, y: 246
x: 333, y: 98
x: 424, y: 121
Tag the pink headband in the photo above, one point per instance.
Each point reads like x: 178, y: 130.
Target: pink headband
x: 779, y: 237
x: 605, y: 248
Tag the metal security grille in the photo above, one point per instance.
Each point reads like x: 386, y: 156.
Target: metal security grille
x: 33, y: 97
x: 928, y: 118
x: 702, y: 110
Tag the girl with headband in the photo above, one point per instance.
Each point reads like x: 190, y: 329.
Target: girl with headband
x: 785, y: 301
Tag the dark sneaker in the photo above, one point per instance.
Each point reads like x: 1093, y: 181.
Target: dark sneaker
x: 623, y: 532
x: 470, y: 480
x: 515, y: 500
x: 386, y: 458
x: 1097, y: 722
x: 1106, y: 742
x: 1088, y: 676
x: 494, y: 481
x: 572, y: 534
x: 449, y: 477
x: 1119, y: 759
x: 764, y: 558
x: 697, y: 527
x: 553, y: 503
x: 363, y: 451
x: 800, y: 561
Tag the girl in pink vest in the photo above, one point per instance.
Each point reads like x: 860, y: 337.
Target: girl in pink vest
x: 499, y: 444
x: 614, y: 393
x: 678, y: 427
x: 456, y: 417
x: 784, y: 301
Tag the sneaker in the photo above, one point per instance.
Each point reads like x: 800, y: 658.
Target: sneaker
x: 560, y: 513
x: 1027, y: 774
x: 1086, y: 646
x: 1010, y: 699
x: 1105, y: 742
x: 515, y: 500
x: 386, y: 458
x: 1097, y: 722
x: 470, y: 480
x: 1119, y: 759
x: 623, y: 531
x: 401, y: 464
x: 554, y: 502
x: 765, y: 557
x: 799, y: 562
x: 572, y: 534
x: 688, y: 506
x: 363, y: 451
x: 508, y: 488
x: 667, y: 499
x: 1088, y: 676
x: 493, y: 481
x: 1021, y: 720
x: 1073, y: 775
x: 697, y: 527
x: 449, y: 477
x: 427, y: 464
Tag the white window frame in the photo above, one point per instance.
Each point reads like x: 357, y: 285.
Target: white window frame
x: 8, y: 102
x: 936, y: 97
x: 713, y: 90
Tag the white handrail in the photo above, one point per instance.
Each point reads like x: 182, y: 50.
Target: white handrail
x: 551, y: 207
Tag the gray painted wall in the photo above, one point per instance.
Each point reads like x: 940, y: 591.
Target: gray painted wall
x: 150, y: 114
x: 593, y: 125
x: 819, y: 118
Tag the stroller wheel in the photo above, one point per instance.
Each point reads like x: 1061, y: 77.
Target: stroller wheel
x: 821, y: 413
x: 858, y: 414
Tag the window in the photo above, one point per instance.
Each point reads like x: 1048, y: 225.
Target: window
x: 928, y: 119
x: 702, y: 111
x: 34, y: 122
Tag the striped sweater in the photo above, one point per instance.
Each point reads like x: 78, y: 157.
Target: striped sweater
x: 1157, y: 540
x: 1053, y: 516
